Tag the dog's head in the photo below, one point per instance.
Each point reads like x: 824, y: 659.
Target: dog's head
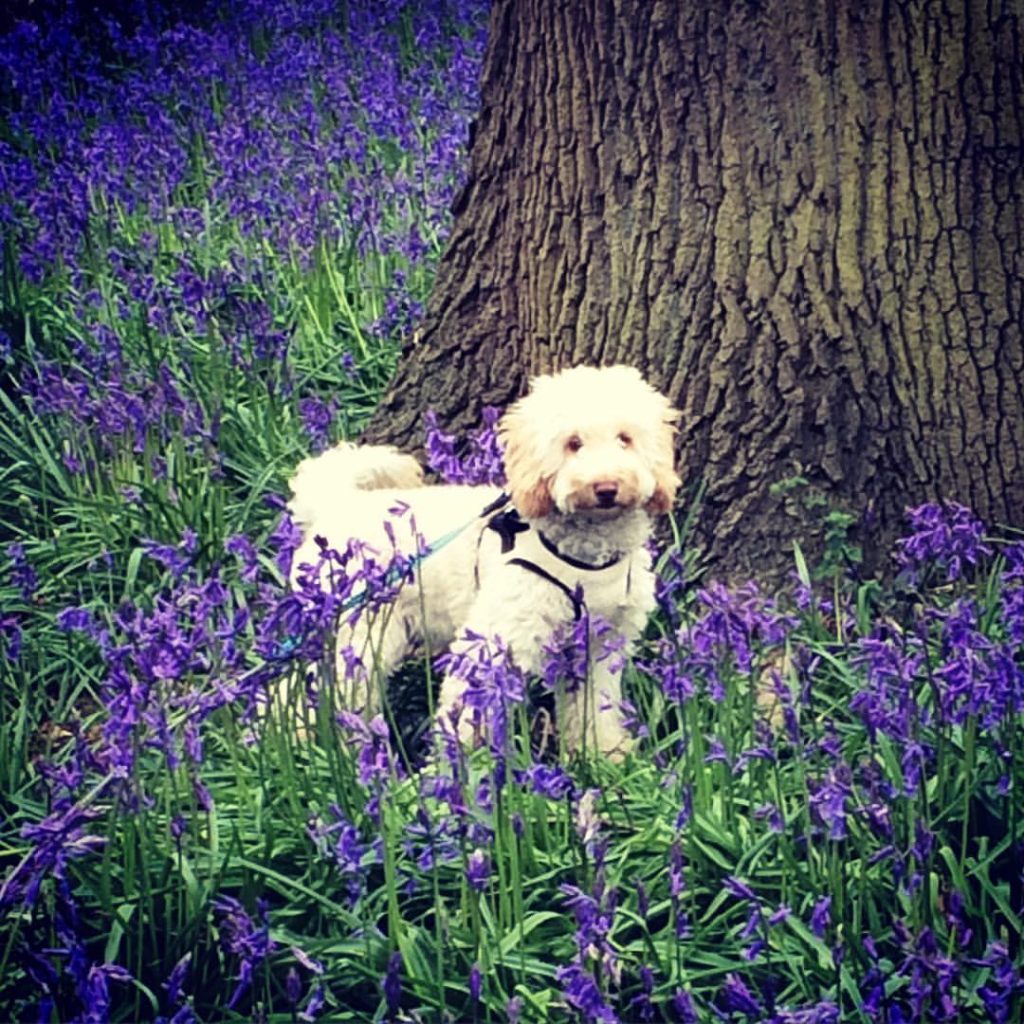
x: 590, y: 439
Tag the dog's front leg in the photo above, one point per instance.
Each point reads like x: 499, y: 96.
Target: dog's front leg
x: 368, y: 652
x: 593, y: 719
x: 452, y: 713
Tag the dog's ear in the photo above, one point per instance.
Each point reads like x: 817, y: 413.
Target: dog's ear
x: 664, y: 495
x: 535, y: 502
x: 527, y: 483
x: 666, y: 480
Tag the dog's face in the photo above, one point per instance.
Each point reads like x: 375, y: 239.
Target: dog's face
x: 593, y: 440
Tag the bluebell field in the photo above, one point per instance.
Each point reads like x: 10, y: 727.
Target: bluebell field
x: 218, y: 223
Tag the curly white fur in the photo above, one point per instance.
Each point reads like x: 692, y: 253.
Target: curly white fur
x: 589, y: 459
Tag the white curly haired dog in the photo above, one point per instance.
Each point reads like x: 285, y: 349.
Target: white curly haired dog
x: 589, y: 459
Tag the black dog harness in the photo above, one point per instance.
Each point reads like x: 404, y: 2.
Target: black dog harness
x: 508, y: 525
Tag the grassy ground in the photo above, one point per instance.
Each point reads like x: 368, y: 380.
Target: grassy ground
x: 216, y: 227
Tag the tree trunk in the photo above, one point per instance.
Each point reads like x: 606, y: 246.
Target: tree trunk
x: 802, y: 220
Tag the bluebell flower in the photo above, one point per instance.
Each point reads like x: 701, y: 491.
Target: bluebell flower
x: 314, y: 1004
x: 828, y: 799
x: 340, y: 841
x: 293, y: 986
x: 240, y: 545
x: 820, y: 917
x: 174, y: 981
x: 493, y: 684
x: 391, y: 985
x: 684, y: 1008
x: 739, y: 889
x: 550, y: 780
x: 641, y: 1005
x: 55, y: 841
x: 735, y: 997
x: 243, y: 938
x: 75, y: 620
x: 1005, y: 983
x: 481, y: 464
x: 11, y: 635
x: 317, y: 419
x: 23, y: 576
x: 771, y: 813
x: 478, y: 870
x: 945, y: 535
x: 582, y: 994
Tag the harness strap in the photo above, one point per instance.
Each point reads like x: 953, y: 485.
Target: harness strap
x: 499, y: 502
x: 506, y: 525
x: 578, y: 604
x: 509, y: 523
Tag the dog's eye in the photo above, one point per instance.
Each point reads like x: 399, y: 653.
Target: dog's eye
x: 574, y: 444
x: 625, y: 440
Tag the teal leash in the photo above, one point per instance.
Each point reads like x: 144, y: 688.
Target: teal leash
x: 288, y: 646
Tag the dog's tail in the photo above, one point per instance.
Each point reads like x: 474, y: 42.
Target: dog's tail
x: 322, y: 481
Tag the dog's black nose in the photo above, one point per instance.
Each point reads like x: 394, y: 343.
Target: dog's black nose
x: 606, y: 492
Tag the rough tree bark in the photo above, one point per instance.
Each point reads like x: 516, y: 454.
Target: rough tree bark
x: 801, y: 218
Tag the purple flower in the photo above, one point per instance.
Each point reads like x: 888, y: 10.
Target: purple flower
x: 175, y: 558
x: 641, y: 1005
x: 176, y: 978
x: 887, y: 703
x: 677, y: 673
x: 75, y: 620
x: 685, y: 1010
x: 492, y: 685
x: 674, y: 575
x: 550, y: 780
x: 240, y: 545
x: 95, y: 994
x: 293, y: 986
x: 478, y: 870
x: 824, y: 1012
x: 735, y: 997
x: 10, y: 634
x: 676, y: 871
x: 716, y: 751
x: 372, y: 742
x: 739, y: 889
x: 391, y: 984
x: 243, y: 938
x: 976, y: 676
x: 828, y: 799
x: 481, y: 464
x: 820, y: 917
x: 771, y: 814
x: 945, y: 535
x: 23, y: 576
x: 311, y: 964
x: 1005, y: 982
x: 643, y: 902
x: 1012, y: 593
x: 285, y: 540
x: 735, y: 625
x: 583, y: 995
x: 566, y: 661
x: 317, y: 419
x: 594, y: 913
x: 341, y: 842
x: 315, y: 1003
x: 55, y: 841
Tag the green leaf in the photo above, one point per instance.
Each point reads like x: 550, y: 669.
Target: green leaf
x: 801, y: 564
